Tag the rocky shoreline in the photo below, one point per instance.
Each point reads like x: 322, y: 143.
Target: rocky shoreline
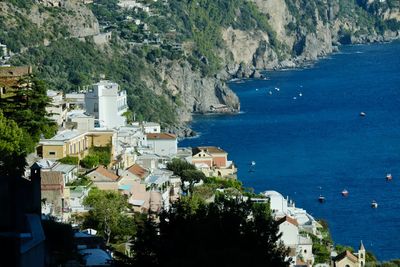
x: 246, y: 72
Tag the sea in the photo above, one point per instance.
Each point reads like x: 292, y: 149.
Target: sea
x: 303, y: 129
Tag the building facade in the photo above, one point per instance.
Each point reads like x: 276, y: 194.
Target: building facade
x: 107, y: 104
x: 162, y: 144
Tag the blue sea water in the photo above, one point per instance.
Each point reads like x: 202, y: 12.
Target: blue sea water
x: 319, y: 144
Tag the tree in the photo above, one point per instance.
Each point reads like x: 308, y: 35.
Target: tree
x: 27, y: 107
x: 229, y: 232
x: 187, y: 172
x: 90, y: 161
x: 191, y: 177
x: 12, y: 147
x: 178, y: 166
x: 106, y: 213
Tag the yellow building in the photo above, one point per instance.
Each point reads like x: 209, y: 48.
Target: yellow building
x: 74, y: 143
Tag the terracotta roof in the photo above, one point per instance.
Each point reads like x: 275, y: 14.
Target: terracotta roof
x: 208, y: 149
x: 163, y: 136
x: 287, y: 219
x: 346, y: 254
x: 138, y: 170
x: 52, y: 178
x: 105, y: 173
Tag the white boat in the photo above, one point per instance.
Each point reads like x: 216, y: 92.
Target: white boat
x: 252, y: 163
x: 389, y: 177
x: 321, y: 199
x: 277, y: 89
x: 363, y: 114
x: 300, y: 94
x: 374, y: 204
x: 294, y: 98
x: 345, y: 193
x: 270, y: 92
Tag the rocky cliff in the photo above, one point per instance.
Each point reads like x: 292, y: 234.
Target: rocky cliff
x: 216, y: 44
x: 247, y: 52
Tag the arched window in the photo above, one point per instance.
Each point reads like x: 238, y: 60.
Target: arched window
x: 347, y: 265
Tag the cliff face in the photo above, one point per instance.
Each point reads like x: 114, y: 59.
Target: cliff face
x: 193, y: 92
x: 40, y: 23
x: 305, y: 31
x: 294, y: 32
x: 249, y: 51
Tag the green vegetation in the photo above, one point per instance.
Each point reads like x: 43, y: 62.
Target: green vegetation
x: 217, y: 182
x: 90, y: 161
x: 178, y: 166
x: 69, y: 160
x: 70, y: 64
x: 321, y: 246
x: 82, y: 180
x: 218, y: 234
x: 22, y: 121
x: 103, y: 153
x: 197, y: 22
x: 23, y: 34
x: 12, y: 147
x: 187, y: 172
x: 107, y: 215
x: 27, y: 108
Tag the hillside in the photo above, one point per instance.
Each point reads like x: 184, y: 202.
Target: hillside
x: 173, y: 57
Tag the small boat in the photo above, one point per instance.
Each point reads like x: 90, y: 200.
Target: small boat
x: 277, y: 89
x: 253, y: 163
x: 374, y: 204
x: 363, y: 114
x: 294, y: 98
x: 300, y: 94
x: 270, y: 92
x: 345, y: 193
x: 389, y: 177
x: 321, y: 199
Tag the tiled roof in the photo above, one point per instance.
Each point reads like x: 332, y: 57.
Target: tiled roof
x: 52, y: 178
x: 105, y: 173
x: 162, y: 136
x: 208, y: 149
x: 138, y: 170
x: 346, y: 254
x: 288, y: 219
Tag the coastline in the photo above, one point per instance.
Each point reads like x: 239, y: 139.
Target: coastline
x: 185, y: 130
x: 347, y: 121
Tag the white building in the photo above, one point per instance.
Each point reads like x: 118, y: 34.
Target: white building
x: 107, y: 103
x: 77, y: 119
x: 57, y: 108
x: 151, y: 127
x: 162, y: 144
x: 278, y: 203
x: 77, y: 195
x: 75, y: 100
x: 292, y: 221
x: 289, y: 228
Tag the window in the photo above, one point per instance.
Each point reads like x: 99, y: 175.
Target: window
x: 52, y: 153
x: 96, y: 107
